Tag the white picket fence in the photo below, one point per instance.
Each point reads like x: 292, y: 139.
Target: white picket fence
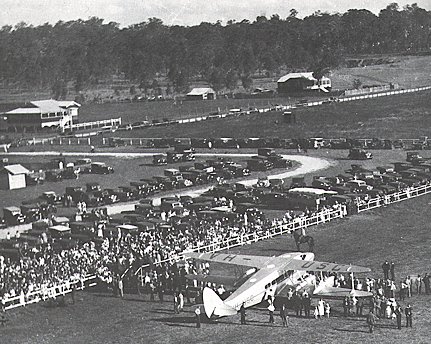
x: 323, y: 216
x: 44, y: 294
x: 394, y: 198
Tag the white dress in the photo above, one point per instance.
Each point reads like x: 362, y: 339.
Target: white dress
x: 321, y: 308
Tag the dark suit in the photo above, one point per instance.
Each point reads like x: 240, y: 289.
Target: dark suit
x: 409, y: 315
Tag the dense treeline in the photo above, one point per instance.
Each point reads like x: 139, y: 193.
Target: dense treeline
x: 85, y: 52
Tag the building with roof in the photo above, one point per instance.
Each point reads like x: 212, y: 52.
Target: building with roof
x: 13, y: 177
x: 201, y: 93
x: 302, y: 82
x: 43, y: 113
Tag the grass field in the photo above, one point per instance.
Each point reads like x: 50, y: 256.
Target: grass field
x: 407, y: 71
x: 404, y: 116
x: 134, y: 112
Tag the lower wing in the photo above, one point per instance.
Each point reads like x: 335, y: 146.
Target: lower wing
x: 225, y: 280
x: 335, y: 292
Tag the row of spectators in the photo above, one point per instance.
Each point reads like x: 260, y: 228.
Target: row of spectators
x: 118, y: 256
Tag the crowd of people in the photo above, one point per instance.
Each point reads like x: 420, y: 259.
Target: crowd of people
x: 118, y: 258
x: 43, y: 266
x: 40, y: 268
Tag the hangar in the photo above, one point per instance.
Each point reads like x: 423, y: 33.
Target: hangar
x: 201, y: 93
x: 300, y: 82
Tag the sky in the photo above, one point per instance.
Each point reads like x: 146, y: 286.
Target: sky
x: 175, y: 12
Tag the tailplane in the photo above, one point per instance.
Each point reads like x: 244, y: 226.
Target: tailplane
x: 213, y: 304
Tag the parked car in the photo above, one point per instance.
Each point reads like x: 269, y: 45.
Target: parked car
x: 359, y: 154
x: 101, y: 168
x: 13, y: 216
x: 415, y: 158
x: 159, y: 159
x: 53, y: 176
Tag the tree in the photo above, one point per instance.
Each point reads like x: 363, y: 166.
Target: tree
x: 59, y: 89
x: 293, y: 13
x: 357, y: 83
x: 216, y: 79
x: 231, y: 80
x: 247, y: 81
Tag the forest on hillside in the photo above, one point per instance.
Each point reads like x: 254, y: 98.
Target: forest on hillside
x: 84, y: 52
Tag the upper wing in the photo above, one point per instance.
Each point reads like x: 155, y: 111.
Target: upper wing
x: 307, y: 265
x: 229, y: 258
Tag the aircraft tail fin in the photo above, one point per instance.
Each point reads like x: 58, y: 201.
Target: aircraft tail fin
x: 213, y: 304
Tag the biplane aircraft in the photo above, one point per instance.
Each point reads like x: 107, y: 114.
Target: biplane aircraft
x: 274, y: 276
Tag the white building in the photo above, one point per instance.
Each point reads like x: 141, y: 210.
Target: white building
x: 201, y: 93
x: 13, y: 177
x: 43, y: 113
x: 300, y: 82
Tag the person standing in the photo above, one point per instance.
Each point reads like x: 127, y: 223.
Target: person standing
x: 360, y: 307
x: 403, y: 290
x: 152, y: 290
x: 271, y: 310
x: 418, y: 284
x: 378, y: 305
x: 180, y: 302
x: 353, y: 303
x: 160, y: 292
x: 392, y: 269
x: 321, y: 308
x: 371, y: 320
x: 176, y: 306
x: 426, y: 280
x: 346, y: 305
x: 120, y: 287
x: 408, y: 283
x: 409, y: 315
x: 198, y: 317
x: 398, y: 315
x: 73, y: 292
x: 307, y: 305
x: 283, y: 315
x: 386, y: 267
x: 242, y: 313
x: 327, y: 309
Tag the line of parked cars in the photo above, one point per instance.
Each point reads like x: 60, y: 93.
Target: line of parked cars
x: 308, y: 143
x: 55, y: 172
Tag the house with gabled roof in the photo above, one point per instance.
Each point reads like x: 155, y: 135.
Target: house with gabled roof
x: 201, y: 93
x: 43, y: 113
x: 304, y: 81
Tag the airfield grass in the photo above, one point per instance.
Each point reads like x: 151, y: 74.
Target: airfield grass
x: 391, y: 117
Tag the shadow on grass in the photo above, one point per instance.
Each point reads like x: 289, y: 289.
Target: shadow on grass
x: 285, y: 250
x: 350, y: 330
x: 176, y: 320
